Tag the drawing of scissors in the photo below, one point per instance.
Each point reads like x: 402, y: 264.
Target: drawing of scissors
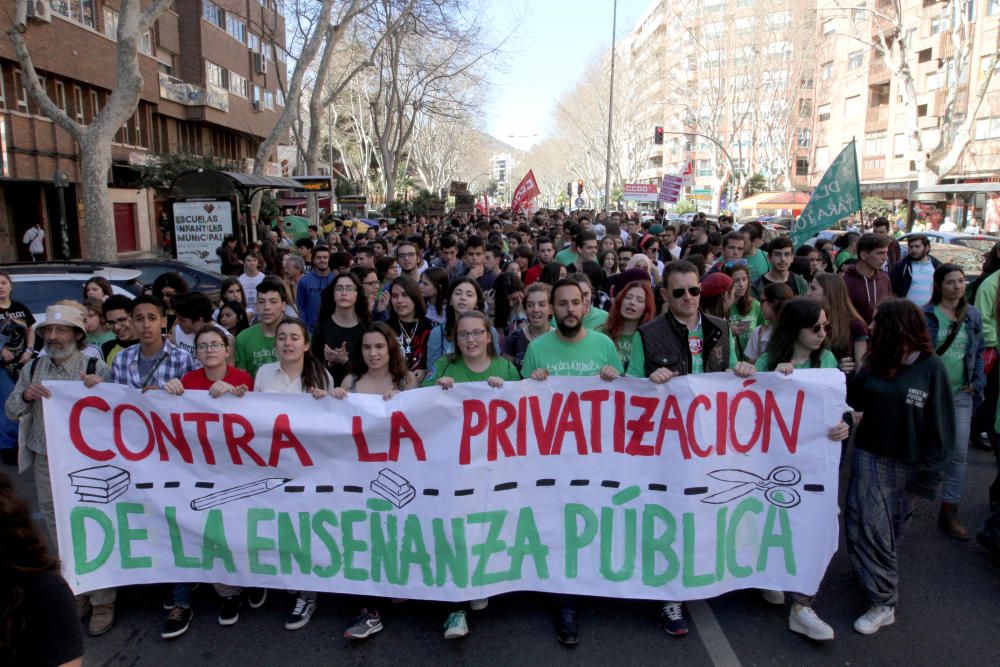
x: 777, y: 487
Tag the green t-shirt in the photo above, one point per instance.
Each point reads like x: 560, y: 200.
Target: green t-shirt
x: 568, y: 256
x: 624, y: 346
x: 585, y: 357
x: 102, y: 338
x: 254, y: 349
x: 741, y: 326
x: 826, y: 360
x: 954, y: 357
x: 758, y: 264
x: 459, y: 372
x: 637, y: 365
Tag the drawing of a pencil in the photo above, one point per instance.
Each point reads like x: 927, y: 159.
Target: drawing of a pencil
x: 238, y: 492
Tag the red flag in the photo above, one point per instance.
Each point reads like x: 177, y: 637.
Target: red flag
x: 527, y: 190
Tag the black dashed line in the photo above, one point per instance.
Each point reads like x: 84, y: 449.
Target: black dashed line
x: 579, y: 482
x: 294, y: 489
x: 545, y: 482
x: 610, y: 484
x: 464, y: 492
x: 813, y: 487
x: 506, y: 486
x: 144, y: 485
x: 657, y: 487
x: 171, y: 485
x: 430, y: 492
x: 695, y: 490
x: 353, y: 489
x: 324, y: 488
x: 204, y: 485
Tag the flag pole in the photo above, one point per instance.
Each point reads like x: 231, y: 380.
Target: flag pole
x: 611, y: 105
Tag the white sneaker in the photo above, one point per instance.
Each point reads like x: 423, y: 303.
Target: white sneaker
x: 804, y: 621
x: 479, y: 605
x: 774, y: 597
x: 876, y: 617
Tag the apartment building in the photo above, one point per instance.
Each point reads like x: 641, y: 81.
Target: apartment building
x: 739, y: 72
x: 211, y: 71
x: 857, y: 97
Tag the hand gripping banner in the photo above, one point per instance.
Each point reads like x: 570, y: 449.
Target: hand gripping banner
x: 573, y: 485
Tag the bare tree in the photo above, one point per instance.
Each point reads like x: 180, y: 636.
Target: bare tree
x: 936, y: 151
x: 437, y: 150
x: 94, y: 139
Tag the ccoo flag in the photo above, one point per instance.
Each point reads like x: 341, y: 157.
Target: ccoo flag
x: 838, y: 195
x: 526, y: 190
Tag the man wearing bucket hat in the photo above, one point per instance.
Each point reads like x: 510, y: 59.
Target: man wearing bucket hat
x: 65, y: 337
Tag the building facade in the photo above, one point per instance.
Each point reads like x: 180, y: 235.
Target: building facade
x: 859, y: 98
x: 211, y: 71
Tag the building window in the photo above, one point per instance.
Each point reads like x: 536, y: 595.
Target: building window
x: 899, y: 145
x: 110, y: 23
x: 805, y: 108
x: 78, y: 103
x: 826, y: 71
x: 858, y: 14
x: 212, y: 13
x: 829, y: 26
x: 146, y: 43
x: 933, y: 81
x: 924, y: 56
x: 873, y: 164
x: 95, y: 104
x: 804, y: 137
x: 253, y: 42
x: 269, y: 100
x: 238, y: 85
x: 875, y: 142
x: 855, y: 59
x: 987, y: 128
x: 20, y: 92
x: 852, y: 107
x: 823, y: 113
x: 216, y: 74
x: 921, y: 110
x: 236, y: 28
x: 879, y: 96
x: 256, y: 97
x: 81, y: 11
x: 801, y: 166
x: 278, y: 54
x: 806, y: 84
x: 60, y: 98
x: 993, y: 7
x: 279, y: 98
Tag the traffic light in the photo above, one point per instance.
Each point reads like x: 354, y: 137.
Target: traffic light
x: 658, y: 134
x: 569, y: 189
x: 579, y: 187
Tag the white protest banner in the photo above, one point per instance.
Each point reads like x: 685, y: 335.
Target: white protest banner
x: 199, y: 229
x: 573, y: 485
x: 640, y: 192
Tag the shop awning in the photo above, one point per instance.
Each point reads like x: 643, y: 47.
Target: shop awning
x: 785, y: 200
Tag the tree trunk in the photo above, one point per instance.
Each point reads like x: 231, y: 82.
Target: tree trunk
x: 98, y: 213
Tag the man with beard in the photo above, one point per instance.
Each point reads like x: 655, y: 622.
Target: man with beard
x: 913, y: 277
x: 570, y: 349
x: 65, y: 337
x: 545, y: 251
x: 311, y: 286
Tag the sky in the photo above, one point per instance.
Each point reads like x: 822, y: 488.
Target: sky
x: 552, y: 42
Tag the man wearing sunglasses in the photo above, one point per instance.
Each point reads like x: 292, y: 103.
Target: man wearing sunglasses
x: 682, y: 341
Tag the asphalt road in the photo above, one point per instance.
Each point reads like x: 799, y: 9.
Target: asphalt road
x: 949, y: 614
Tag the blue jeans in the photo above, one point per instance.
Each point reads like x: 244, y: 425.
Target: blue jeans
x: 954, y: 474
x: 182, y: 595
x: 8, y: 427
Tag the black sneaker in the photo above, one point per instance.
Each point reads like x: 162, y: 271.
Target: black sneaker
x: 178, y: 621
x: 229, y: 610
x: 301, y: 614
x: 672, y: 619
x: 256, y: 597
x: 567, y: 629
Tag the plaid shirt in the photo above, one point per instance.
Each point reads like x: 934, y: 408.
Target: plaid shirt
x: 175, y: 364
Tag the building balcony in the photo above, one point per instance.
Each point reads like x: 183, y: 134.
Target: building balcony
x: 877, y: 117
x: 189, y: 94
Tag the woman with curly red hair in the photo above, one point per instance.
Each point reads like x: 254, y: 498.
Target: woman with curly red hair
x: 633, y: 307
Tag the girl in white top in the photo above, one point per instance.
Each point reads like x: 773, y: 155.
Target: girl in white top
x: 296, y: 371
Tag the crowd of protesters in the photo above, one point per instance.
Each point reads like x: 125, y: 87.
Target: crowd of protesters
x: 437, y: 301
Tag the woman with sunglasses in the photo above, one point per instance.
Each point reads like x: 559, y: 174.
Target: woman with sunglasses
x: 744, y: 314
x: 799, y: 339
x: 474, y: 360
x: 956, y: 331
x: 848, y: 338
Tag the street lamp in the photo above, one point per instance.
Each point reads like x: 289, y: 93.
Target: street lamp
x: 611, y: 106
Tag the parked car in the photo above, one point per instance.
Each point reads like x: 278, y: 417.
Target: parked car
x: 970, y: 259
x: 40, y: 289
x: 979, y: 242
x: 201, y: 280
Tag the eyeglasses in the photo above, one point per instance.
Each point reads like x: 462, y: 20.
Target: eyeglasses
x: 345, y: 289
x: 825, y: 327
x: 679, y: 292
x: 120, y: 320
x: 466, y: 335
x: 405, y: 255
x: 730, y: 263
x: 210, y: 347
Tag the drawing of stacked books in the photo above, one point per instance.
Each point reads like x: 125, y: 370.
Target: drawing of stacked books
x: 393, y: 487
x: 100, y: 484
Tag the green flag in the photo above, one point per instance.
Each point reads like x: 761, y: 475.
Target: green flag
x: 837, y: 196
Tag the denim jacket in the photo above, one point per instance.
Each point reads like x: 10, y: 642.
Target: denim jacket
x: 973, y: 351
